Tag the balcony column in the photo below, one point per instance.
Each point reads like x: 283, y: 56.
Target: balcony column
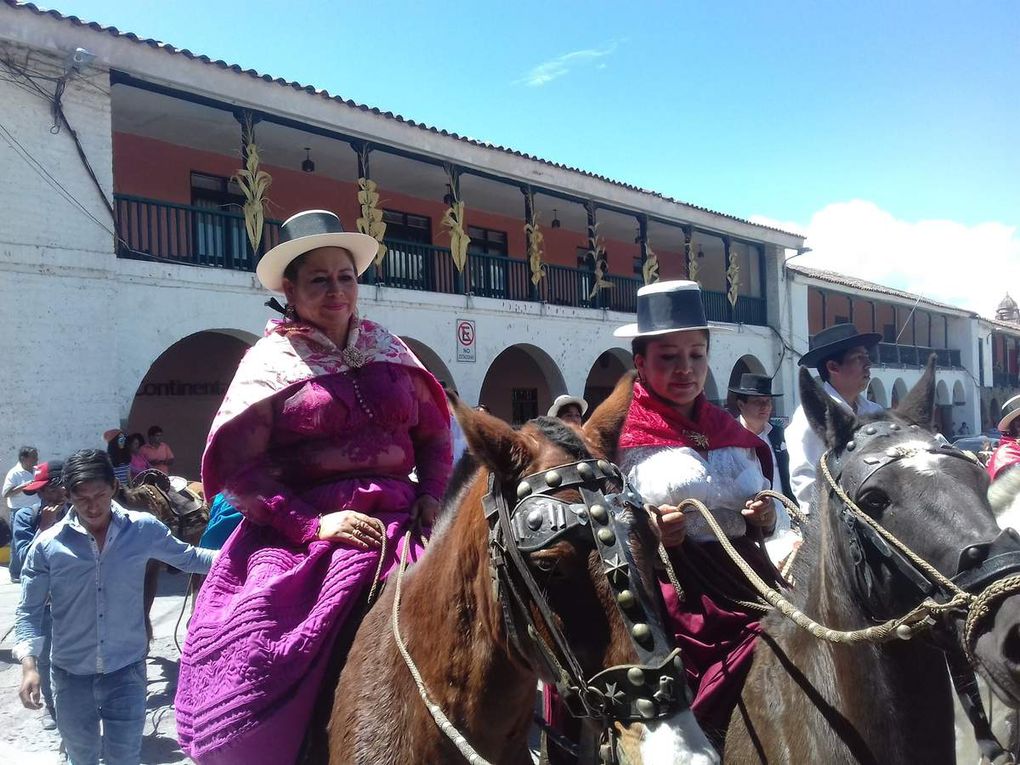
x: 453, y: 174
x: 598, y: 256
x: 529, y: 224
x: 732, y: 282
x: 363, y: 150
x: 850, y: 301
x: 247, y: 120
x: 642, y: 222
x: 825, y: 309
x: 874, y: 317
x: 688, y: 254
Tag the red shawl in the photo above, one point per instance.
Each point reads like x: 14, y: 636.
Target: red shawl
x: 1008, y: 453
x: 652, y: 422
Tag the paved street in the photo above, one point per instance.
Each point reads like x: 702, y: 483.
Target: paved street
x: 22, y: 739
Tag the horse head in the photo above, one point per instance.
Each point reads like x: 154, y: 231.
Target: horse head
x: 572, y: 551
x: 891, y: 473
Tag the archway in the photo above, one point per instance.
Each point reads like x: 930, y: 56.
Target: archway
x: 876, y: 393
x: 521, y: 383
x: 943, y: 409
x: 711, y: 389
x: 959, y: 409
x: 899, y: 391
x: 747, y: 364
x: 607, y: 370
x: 431, y: 361
x: 183, y: 389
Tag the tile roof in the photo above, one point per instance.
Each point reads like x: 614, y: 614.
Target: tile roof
x: 861, y: 284
x: 17, y: 4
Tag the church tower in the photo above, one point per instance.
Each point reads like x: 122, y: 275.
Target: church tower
x: 1008, y: 310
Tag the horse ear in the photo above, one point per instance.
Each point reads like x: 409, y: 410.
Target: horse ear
x: 918, y: 406
x: 492, y: 442
x: 833, y: 424
x: 603, y: 428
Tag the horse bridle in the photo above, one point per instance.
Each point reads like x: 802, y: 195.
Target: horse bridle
x: 653, y: 689
x: 979, y: 565
x: 981, y: 570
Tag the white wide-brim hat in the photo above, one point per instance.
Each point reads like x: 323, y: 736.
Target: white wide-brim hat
x: 664, y: 307
x: 565, y: 400
x: 310, y: 230
x: 1010, y: 411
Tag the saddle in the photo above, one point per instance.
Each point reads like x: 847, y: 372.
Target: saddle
x: 188, y: 514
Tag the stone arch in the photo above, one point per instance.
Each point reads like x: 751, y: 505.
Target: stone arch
x: 521, y: 383
x: 605, y: 372
x: 877, y: 393
x: 942, y: 394
x: 184, y: 387
x: 943, y: 408
x: 431, y: 361
x: 899, y: 392
x: 959, y: 394
x: 746, y: 364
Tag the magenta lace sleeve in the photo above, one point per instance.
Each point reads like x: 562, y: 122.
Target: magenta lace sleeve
x: 433, y: 444
x: 252, y: 484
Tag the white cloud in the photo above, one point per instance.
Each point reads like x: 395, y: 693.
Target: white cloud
x: 967, y: 266
x: 549, y: 70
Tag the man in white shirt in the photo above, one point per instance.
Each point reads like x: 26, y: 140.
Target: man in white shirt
x: 17, y: 478
x: 842, y: 357
x: 754, y: 402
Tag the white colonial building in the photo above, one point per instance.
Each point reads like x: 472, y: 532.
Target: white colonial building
x: 126, y: 281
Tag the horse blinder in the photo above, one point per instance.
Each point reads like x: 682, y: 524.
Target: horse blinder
x: 653, y: 689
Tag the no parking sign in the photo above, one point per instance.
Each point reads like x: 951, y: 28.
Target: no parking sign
x: 465, y: 340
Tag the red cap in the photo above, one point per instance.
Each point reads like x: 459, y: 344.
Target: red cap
x: 44, y: 473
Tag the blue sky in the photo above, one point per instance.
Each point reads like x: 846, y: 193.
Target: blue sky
x: 778, y: 110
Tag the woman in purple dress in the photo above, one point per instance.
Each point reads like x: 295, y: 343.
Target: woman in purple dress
x: 322, y: 425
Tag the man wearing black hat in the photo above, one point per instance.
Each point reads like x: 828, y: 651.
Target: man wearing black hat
x: 842, y: 356
x: 754, y: 402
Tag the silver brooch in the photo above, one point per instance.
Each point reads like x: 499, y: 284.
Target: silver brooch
x: 353, y: 357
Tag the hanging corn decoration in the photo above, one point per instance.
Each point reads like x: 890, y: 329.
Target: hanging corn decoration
x: 692, y: 261
x: 650, y: 269
x: 453, y: 222
x: 254, y: 183
x: 733, y: 279
x: 534, y: 237
x: 371, y: 220
x: 598, y: 254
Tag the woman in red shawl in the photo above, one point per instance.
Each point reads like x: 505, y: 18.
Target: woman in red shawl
x: 677, y: 445
x: 323, y: 423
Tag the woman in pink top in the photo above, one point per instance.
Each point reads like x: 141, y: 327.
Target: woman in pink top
x: 138, y: 462
x: 323, y: 422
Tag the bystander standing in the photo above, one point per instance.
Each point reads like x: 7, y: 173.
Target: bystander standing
x: 158, y: 452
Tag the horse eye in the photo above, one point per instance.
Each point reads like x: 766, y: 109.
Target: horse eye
x: 873, y: 501
x: 547, y: 564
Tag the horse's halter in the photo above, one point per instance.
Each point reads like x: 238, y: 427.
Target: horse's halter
x: 873, y: 548
x: 654, y: 689
x: 986, y: 572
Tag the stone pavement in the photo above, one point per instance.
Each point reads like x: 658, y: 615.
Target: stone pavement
x: 22, y: 739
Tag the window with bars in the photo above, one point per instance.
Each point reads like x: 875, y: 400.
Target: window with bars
x: 524, y: 405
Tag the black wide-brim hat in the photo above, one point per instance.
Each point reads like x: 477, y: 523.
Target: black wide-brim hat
x: 664, y: 307
x: 755, y: 385
x: 1010, y: 411
x: 310, y: 230
x: 835, y: 339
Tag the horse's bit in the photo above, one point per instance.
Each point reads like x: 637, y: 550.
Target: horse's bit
x: 655, y: 688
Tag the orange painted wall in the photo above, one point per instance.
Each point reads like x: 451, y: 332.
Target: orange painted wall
x: 159, y: 170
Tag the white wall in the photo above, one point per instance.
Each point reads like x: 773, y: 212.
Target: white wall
x: 58, y: 287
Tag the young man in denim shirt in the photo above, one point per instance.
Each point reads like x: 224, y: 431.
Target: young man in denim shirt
x: 90, y: 567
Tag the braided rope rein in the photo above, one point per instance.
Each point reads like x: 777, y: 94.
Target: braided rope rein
x: 448, y: 729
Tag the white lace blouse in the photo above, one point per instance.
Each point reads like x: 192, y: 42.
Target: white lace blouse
x: 724, y: 479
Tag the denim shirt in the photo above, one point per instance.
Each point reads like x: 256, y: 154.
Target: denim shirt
x: 96, y: 596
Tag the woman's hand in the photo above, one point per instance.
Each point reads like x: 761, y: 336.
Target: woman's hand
x: 350, y: 526
x: 760, y: 512
x: 425, y: 510
x: 671, y: 523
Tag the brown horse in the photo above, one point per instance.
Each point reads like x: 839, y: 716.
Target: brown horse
x: 891, y: 702
x: 183, y: 512
x: 482, y: 639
